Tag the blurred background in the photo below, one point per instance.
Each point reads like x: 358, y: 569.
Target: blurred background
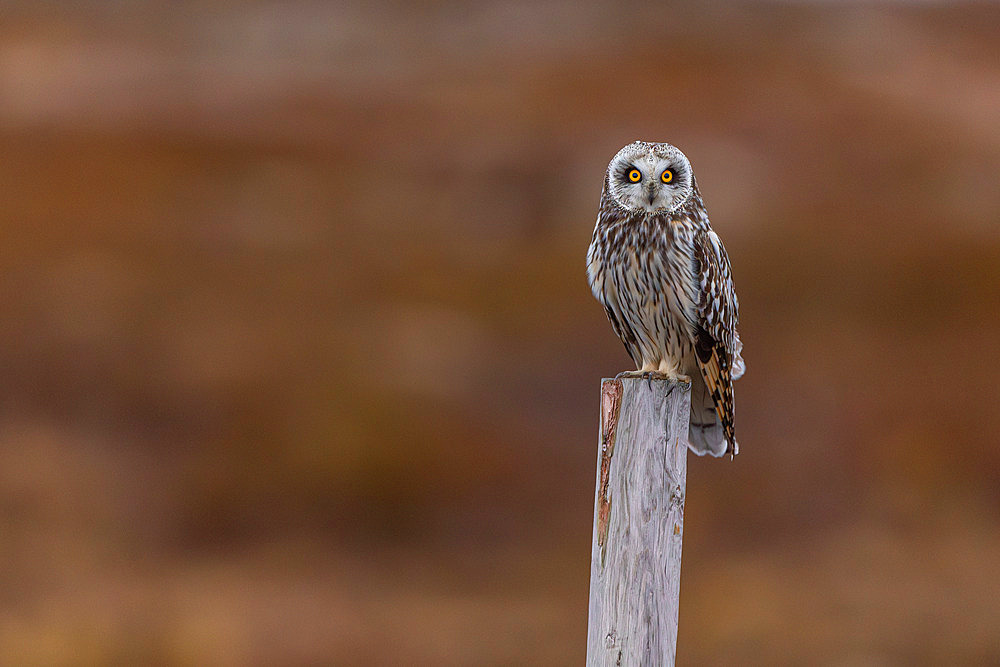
x: 300, y: 365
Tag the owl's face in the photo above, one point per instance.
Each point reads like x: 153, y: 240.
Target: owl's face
x: 650, y: 177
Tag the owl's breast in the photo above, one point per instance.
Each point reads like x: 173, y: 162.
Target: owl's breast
x: 671, y: 274
x: 647, y: 273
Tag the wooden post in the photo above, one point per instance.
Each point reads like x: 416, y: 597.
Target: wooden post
x: 635, y: 561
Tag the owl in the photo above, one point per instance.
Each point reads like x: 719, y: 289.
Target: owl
x: 664, y: 279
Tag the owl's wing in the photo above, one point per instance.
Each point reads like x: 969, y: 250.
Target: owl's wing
x: 717, y: 345
x: 604, y: 282
x: 597, y: 274
x: 621, y: 327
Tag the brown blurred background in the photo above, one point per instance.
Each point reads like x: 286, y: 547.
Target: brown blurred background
x: 300, y: 366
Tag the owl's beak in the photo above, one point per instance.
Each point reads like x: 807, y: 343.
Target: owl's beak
x: 651, y: 194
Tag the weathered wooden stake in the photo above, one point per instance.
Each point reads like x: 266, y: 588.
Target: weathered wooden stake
x: 635, y: 561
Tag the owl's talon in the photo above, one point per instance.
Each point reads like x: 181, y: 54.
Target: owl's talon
x: 648, y: 376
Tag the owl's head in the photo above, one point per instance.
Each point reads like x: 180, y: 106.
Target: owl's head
x: 650, y: 177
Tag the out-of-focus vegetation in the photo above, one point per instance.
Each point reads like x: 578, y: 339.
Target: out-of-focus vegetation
x: 300, y: 364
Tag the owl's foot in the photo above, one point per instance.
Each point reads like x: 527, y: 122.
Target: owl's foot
x: 649, y: 376
x: 642, y: 375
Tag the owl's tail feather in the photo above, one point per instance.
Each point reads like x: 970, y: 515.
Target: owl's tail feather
x: 705, y: 433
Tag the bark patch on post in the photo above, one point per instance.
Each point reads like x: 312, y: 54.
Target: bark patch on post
x: 611, y: 403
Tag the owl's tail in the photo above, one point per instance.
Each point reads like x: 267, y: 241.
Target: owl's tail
x: 705, y: 433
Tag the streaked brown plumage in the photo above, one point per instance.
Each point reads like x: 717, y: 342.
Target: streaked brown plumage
x: 664, y: 279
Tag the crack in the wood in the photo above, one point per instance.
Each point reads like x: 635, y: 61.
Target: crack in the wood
x: 677, y: 497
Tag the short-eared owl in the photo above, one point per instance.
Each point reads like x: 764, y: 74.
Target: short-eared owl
x: 664, y: 279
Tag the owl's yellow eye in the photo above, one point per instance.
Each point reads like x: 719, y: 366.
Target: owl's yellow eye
x: 667, y: 176
x: 634, y: 175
